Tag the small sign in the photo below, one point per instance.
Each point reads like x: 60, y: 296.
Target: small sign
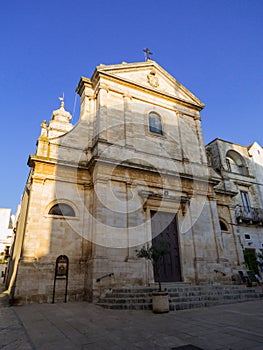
x: 62, y: 266
x: 61, y: 272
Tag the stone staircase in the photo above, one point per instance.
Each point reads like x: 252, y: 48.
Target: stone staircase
x: 182, y: 296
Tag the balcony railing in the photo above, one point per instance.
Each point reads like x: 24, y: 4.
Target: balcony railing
x: 249, y: 215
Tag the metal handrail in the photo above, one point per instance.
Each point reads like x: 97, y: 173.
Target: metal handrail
x: 104, y: 276
x: 222, y: 273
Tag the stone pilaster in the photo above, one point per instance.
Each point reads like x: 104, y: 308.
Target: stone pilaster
x: 200, y: 139
x: 216, y: 228
x: 128, y: 122
x: 192, y: 229
x: 237, y: 239
x: 102, y: 113
x: 179, y: 117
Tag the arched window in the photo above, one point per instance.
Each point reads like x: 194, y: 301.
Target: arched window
x: 223, y: 225
x: 61, y: 209
x: 235, y: 163
x: 155, y: 123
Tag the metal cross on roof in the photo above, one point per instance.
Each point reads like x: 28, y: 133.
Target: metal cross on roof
x: 148, y: 54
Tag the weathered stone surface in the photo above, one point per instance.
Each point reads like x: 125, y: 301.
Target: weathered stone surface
x: 113, y: 170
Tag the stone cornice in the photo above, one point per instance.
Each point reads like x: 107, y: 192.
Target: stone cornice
x: 38, y: 159
x: 83, y: 82
x: 38, y: 178
x: 139, y: 97
x: 226, y: 192
x: 180, y: 175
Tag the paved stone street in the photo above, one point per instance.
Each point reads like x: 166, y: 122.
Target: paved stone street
x: 81, y: 325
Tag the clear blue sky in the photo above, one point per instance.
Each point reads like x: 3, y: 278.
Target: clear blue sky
x: 214, y: 48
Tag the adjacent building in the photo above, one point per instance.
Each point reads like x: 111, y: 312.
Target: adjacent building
x: 239, y: 195
x: 6, y: 236
x: 6, y: 232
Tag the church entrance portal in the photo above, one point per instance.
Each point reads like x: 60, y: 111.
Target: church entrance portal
x: 164, y: 229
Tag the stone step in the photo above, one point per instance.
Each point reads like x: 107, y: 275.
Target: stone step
x: 242, y: 296
x: 126, y: 300
x: 181, y: 293
x: 173, y: 306
x: 180, y: 297
x: 148, y: 299
x: 125, y: 306
x: 184, y: 290
x: 112, y: 298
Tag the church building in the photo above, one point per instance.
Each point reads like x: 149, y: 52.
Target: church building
x: 132, y: 171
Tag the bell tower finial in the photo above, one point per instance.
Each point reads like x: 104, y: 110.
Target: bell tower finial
x: 62, y: 101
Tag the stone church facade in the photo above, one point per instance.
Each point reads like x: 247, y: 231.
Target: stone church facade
x: 134, y: 170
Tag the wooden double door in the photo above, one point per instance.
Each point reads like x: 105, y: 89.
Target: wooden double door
x: 164, y: 228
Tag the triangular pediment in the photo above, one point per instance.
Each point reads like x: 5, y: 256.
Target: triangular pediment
x: 152, y: 76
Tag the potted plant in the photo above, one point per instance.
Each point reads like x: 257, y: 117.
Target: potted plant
x: 155, y: 253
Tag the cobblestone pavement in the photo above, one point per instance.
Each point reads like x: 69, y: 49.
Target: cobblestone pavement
x: 81, y: 325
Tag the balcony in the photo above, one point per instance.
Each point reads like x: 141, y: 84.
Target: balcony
x: 248, y: 215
